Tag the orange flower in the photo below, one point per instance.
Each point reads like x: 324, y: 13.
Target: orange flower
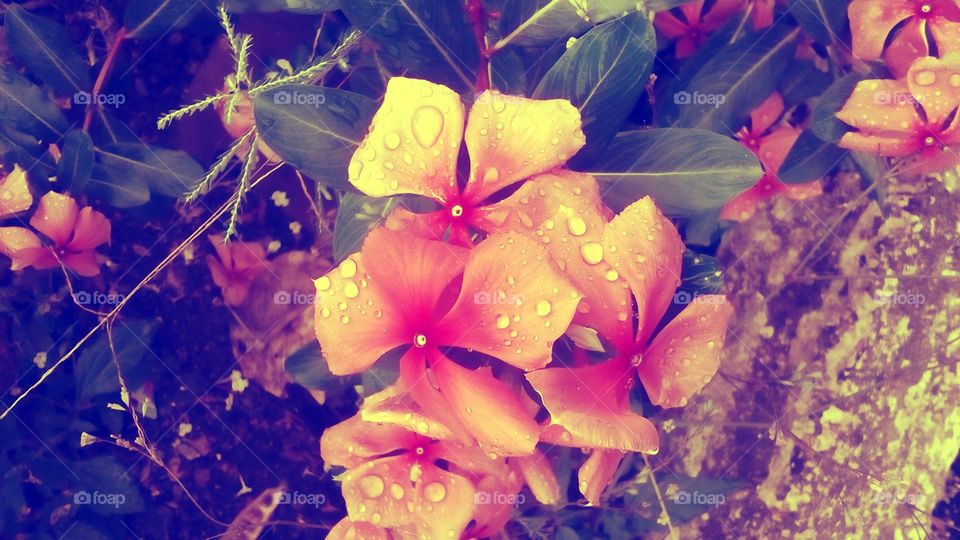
x: 235, y: 267
x: 75, y: 234
x: 406, y: 291
x: 15, y: 194
x: 872, y: 21
x: 405, y: 472
x: 692, y: 28
x: 638, y: 252
x: 770, y: 142
x: 414, y: 142
x: 912, y: 116
x: 761, y: 14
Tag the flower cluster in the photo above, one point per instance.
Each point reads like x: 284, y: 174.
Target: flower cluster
x: 474, y: 296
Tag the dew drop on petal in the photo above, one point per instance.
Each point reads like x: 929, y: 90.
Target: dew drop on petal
x: 543, y: 308
x: 503, y: 321
x: 592, y: 252
x: 322, y: 283
x: 611, y: 275
x: 576, y: 226
x: 391, y: 140
x: 925, y: 78
x: 955, y: 80
x: 371, y: 486
x: 397, y: 491
x: 348, y: 268
x: 350, y: 290
x: 427, y: 125
x: 435, y: 492
x: 491, y: 175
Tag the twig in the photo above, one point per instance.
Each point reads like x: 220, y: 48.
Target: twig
x: 108, y: 63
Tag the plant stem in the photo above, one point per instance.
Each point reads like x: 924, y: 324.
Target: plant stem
x: 108, y: 63
x: 478, y: 18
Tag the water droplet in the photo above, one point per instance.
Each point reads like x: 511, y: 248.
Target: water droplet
x: 371, y: 486
x: 925, y: 78
x: 350, y: 290
x: 955, y: 80
x: 592, y: 252
x: 503, y: 321
x: 611, y: 275
x: 345, y: 319
x: 543, y: 308
x: 576, y: 226
x: 392, y: 140
x: 491, y: 175
x: 397, y: 491
x: 325, y: 312
x: 427, y: 125
x: 498, y: 105
x: 348, y: 268
x: 435, y: 492
x: 322, y: 283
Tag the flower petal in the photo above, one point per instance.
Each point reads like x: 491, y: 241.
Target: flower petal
x: 563, y: 211
x: 685, y: 355
x: 511, y: 138
x: 56, y: 217
x: 775, y: 147
x: 15, y: 194
x: 412, y: 144
x: 670, y: 25
x: 402, y: 491
x: 766, y: 114
x: 592, y: 404
x: 540, y: 477
x: 909, y: 44
x: 871, y: 22
x: 346, y: 529
x: 881, y: 107
x: 649, y: 256
x: 512, y: 305
x: 890, y: 146
x: 720, y: 11
x: 395, y: 406
x: 83, y: 263
x: 24, y: 249
x: 597, y: 472
x: 489, y: 409
x: 354, y: 441
x: 936, y: 86
x: 91, y: 230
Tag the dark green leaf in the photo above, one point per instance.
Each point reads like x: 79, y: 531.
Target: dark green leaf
x: 701, y: 228
x: 701, y: 274
x: 809, y: 159
x: 687, y: 171
x: 802, y: 82
x: 824, y: 20
x: 534, y: 23
x: 423, y: 38
x: 724, y: 91
x: 43, y: 46
x: 117, y: 191
x: 96, y: 372
x: 105, y: 487
x: 357, y: 215
x: 825, y: 123
x: 24, y: 107
x: 663, y: 5
x: 603, y: 74
x: 76, y: 161
x: 166, y: 172
x: 314, y: 129
x: 308, y: 368
x: 152, y: 19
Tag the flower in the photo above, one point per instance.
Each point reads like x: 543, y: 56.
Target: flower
x: 770, y: 142
x: 75, y: 234
x: 235, y: 267
x: 400, y: 478
x: 761, y: 14
x: 414, y: 141
x: 872, y: 21
x: 15, y: 194
x: 406, y: 291
x: 691, y: 29
x: 888, y: 121
x: 638, y: 253
x: 241, y: 122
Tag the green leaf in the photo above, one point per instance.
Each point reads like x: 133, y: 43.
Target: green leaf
x: 802, y: 82
x: 701, y: 274
x: 305, y: 7
x: 42, y: 45
x: 825, y: 123
x: 585, y: 338
x: 809, y: 159
x: 24, y: 107
x: 117, y: 191
x: 686, y: 171
x: 825, y: 20
x: 358, y: 214
x: 422, y: 38
x: 603, y: 74
x: 152, y: 19
x: 724, y: 91
x: 166, y: 172
x: 314, y: 129
x: 96, y: 373
x: 308, y: 368
x: 76, y: 161
x: 533, y: 23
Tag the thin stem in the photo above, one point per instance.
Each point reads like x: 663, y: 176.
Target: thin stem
x: 478, y: 18
x: 108, y: 63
